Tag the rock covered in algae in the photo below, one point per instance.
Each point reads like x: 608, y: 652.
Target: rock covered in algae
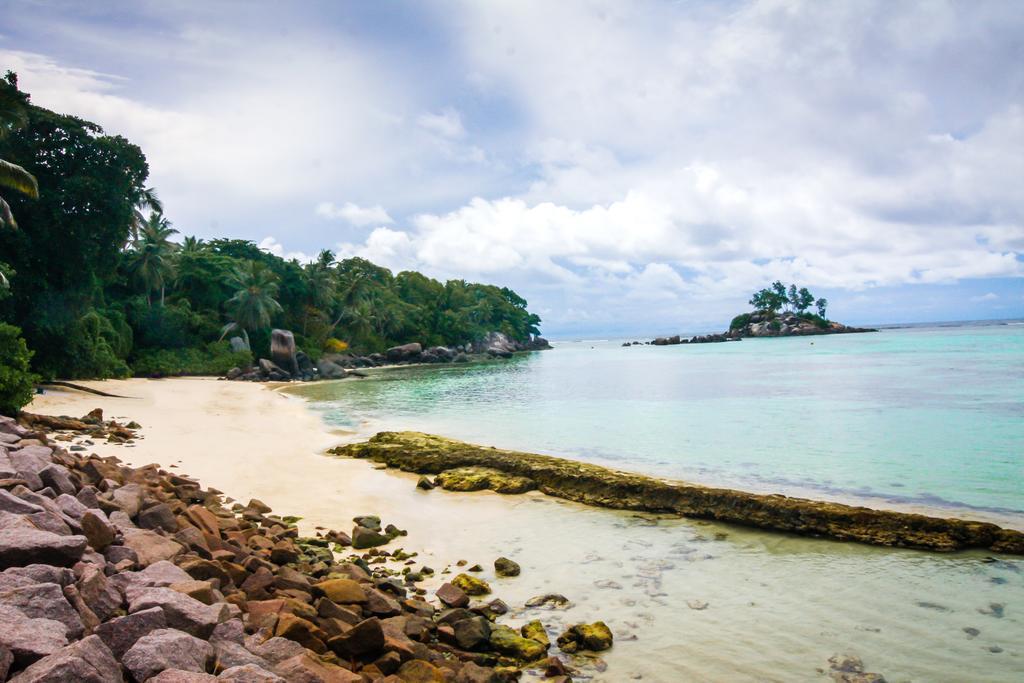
x: 470, y: 585
x: 595, y: 485
x: 534, y: 630
x: 511, y: 644
x: 594, y: 637
x: 481, y: 478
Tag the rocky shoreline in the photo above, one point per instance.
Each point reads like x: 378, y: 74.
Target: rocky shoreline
x: 762, y: 324
x: 286, y: 364
x: 462, y: 466
x: 114, y: 573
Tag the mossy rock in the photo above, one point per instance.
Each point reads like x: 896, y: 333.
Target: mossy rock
x: 470, y: 585
x: 511, y: 644
x: 506, y: 567
x: 481, y: 478
x: 534, y: 630
x: 595, y: 637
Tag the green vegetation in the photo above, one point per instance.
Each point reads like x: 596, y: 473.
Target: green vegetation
x: 778, y: 297
x: 16, y: 380
x: 740, y: 321
x: 94, y: 277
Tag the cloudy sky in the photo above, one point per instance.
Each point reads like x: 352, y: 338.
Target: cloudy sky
x: 629, y: 167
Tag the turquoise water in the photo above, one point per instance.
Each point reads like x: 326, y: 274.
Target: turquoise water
x: 931, y: 416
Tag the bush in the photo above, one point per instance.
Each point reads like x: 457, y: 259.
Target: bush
x: 95, y: 345
x: 17, y: 383
x: 216, y: 359
x: 739, y: 321
x: 333, y: 345
x: 775, y: 325
x: 814, y: 318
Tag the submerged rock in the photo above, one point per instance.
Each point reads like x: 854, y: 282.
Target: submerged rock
x: 471, y: 585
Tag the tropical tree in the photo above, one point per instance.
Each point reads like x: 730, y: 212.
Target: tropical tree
x: 151, y: 259
x: 13, y: 115
x: 804, y: 300
x: 254, y: 302
x: 192, y: 245
x: 147, y: 201
x: 822, y: 305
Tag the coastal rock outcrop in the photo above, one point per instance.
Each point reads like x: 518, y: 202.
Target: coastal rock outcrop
x: 289, y: 364
x: 594, y: 485
x: 764, y: 324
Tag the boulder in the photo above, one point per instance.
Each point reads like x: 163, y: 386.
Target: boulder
x: 330, y: 370
x: 166, y: 648
x: 87, y: 661
x: 179, y: 676
x: 471, y: 585
x: 101, y: 596
x: 506, y: 567
x: 452, y: 595
x: 471, y: 633
x: 181, y: 611
x: 22, y: 545
x: 363, y: 537
x: 44, y: 601
x: 238, y: 344
x: 511, y: 644
x: 29, y: 639
x: 594, y: 637
x: 404, y: 353
x: 420, y: 671
x: 282, y: 351
x: 150, y: 546
x: 304, y: 668
x: 341, y: 591
x: 97, y: 529
x: 249, y: 673
x: 121, y: 633
x: 366, y: 637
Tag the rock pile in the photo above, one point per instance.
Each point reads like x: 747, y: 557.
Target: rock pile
x: 113, y: 573
x: 288, y: 364
x: 763, y: 324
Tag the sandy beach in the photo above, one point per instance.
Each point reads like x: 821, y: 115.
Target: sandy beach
x: 685, y: 599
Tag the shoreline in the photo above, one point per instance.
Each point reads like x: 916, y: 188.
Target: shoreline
x: 755, y: 604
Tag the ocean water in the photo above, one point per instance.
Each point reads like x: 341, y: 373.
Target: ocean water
x: 926, y: 417
x: 930, y: 417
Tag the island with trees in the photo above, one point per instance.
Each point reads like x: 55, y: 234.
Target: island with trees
x: 779, y: 311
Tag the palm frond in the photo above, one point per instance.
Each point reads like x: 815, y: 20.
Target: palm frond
x: 17, y: 178
x: 227, y: 328
x: 6, y: 217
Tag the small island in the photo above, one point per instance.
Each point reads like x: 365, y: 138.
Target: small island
x: 778, y: 312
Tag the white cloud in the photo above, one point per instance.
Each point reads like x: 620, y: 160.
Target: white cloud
x: 990, y: 296
x: 447, y: 123
x: 611, y: 160
x: 354, y: 214
x: 271, y: 245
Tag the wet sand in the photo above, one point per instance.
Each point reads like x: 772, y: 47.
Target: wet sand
x: 704, y: 601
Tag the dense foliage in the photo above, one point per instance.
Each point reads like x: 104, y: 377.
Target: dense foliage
x: 95, y: 278
x: 16, y: 380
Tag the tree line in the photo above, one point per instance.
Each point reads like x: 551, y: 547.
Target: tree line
x: 93, y: 279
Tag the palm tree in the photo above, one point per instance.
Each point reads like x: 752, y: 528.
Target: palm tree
x: 147, y: 200
x: 192, y: 245
x: 253, y: 303
x: 151, y: 259
x: 13, y: 115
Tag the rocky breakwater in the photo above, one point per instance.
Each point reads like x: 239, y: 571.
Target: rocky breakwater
x: 466, y: 466
x: 110, y: 573
x: 287, y: 364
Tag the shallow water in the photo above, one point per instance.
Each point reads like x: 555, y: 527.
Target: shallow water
x: 923, y: 416
x: 936, y: 411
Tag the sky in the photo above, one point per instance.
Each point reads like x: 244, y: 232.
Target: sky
x: 628, y: 167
